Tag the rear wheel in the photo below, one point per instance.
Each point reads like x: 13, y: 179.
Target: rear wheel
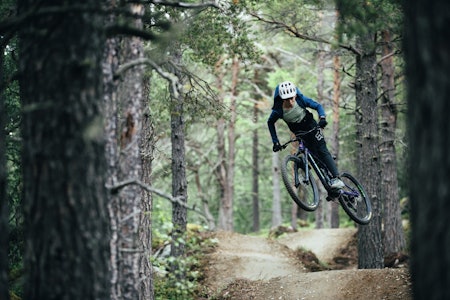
x: 354, y: 200
x: 303, y: 192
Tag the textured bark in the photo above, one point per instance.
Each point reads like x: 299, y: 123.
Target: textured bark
x: 221, y: 172
x: 179, y: 184
x: 428, y: 73
x: 226, y: 167
x: 205, y: 204
x: 65, y: 209
x: 255, y: 160
x: 145, y: 222
x: 125, y: 205
x: 255, y: 172
x: 370, y: 250
x: 110, y: 66
x: 294, y: 211
x: 321, y: 211
x: 334, y: 207
x: 394, y: 239
x: 228, y: 205
x: 276, y: 199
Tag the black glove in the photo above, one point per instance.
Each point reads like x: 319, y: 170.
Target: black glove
x: 322, y: 122
x: 276, y: 147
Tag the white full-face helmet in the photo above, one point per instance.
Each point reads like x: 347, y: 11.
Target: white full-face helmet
x: 287, y: 90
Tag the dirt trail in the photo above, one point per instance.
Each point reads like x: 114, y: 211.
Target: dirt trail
x: 325, y: 243
x: 246, y: 267
x: 252, y: 258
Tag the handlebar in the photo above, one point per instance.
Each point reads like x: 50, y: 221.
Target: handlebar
x: 288, y: 142
x: 298, y: 136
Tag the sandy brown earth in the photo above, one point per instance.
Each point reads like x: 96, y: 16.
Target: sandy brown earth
x: 247, y: 267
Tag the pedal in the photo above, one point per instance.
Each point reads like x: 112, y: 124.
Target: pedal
x: 330, y: 199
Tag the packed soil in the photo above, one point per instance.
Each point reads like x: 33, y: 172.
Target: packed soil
x: 308, y: 264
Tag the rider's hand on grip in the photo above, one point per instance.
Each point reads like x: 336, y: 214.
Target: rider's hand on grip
x: 322, y: 123
x: 276, y: 147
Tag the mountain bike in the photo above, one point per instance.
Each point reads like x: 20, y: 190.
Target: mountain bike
x: 298, y: 178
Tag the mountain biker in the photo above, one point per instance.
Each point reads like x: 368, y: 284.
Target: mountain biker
x: 291, y: 106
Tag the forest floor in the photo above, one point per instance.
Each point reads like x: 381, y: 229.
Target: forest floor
x: 308, y: 264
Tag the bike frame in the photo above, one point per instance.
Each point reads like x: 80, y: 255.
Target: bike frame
x: 310, y: 160
x: 302, y: 149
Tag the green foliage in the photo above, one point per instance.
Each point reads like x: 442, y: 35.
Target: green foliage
x: 358, y: 17
x: 215, y: 33
x: 280, y: 75
x: 291, y: 15
x: 183, y: 283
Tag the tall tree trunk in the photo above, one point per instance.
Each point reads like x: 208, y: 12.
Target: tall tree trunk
x: 276, y: 200
x: 428, y: 73
x: 394, y: 239
x: 4, y: 211
x: 294, y: 212
x: 255, y: 172
x: 334, y: 206
x: 110, y: 107
x: 227, y: 168
x: 127, y: 203
x: 370, y: 250
x: 228, y: 209
x: 179, y: 184
x: 221, y: 152
x: 321, y: 210
x: 65, y: 209
x: 145, y: 220
x: 221, y: 171
x: 205, y: 204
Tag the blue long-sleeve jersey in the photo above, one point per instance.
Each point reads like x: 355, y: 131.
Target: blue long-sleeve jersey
x: 277, y: 110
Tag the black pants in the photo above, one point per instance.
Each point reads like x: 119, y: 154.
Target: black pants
x: 315, y: 141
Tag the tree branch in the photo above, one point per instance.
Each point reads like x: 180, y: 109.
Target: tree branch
x: 114, y: 30
x: 297, y: 34
x: 182, y: 4
x: 185, y: 5
x: 178, y: 200
x: 169, y: 76
x: 387, y: 56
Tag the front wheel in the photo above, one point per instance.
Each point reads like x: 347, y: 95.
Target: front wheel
x: 354, y: 200
x: 303, y: 192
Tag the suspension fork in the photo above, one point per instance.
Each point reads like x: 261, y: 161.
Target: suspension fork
x: 304, y: 150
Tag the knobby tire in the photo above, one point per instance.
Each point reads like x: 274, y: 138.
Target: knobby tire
x: 359, y: 209
x: 306, y: 195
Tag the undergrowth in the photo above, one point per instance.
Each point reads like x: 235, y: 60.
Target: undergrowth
x: 183, y: 282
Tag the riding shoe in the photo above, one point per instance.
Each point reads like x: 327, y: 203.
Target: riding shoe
x: 336, y: 183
